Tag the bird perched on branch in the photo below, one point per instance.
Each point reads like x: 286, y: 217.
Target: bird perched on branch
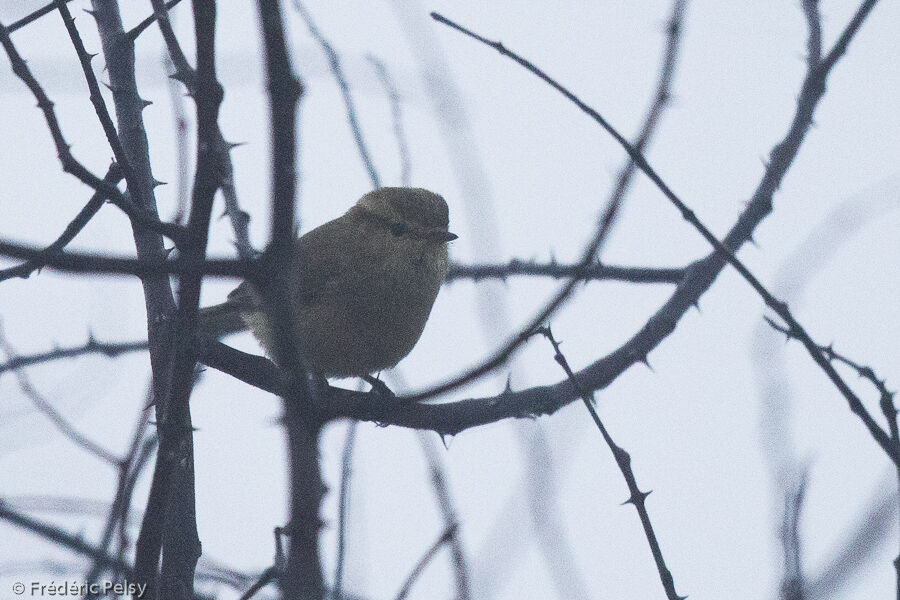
x: 361, y: 286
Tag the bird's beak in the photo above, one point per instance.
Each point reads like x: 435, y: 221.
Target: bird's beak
x: 439, y: 235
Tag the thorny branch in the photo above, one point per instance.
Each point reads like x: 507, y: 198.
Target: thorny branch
x: 303, y: 576
x: 48, y: 410
x: 334, y: 63
x: 623, y: 460
x: 240, y: 220
x: 72, y: 229
x: 138, y: 214
x: 782, y: 158
x: 63, y: 538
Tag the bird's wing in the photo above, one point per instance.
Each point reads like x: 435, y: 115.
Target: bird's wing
x: 325, y: 258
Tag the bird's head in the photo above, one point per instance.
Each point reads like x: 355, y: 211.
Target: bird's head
x: 407, y: 213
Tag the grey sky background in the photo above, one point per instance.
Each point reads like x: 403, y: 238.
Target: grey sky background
x: 692, y: 424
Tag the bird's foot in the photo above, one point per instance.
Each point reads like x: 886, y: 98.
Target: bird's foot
x: 380, y: 387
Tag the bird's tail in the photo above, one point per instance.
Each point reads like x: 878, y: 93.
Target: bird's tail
x: 220, y: 320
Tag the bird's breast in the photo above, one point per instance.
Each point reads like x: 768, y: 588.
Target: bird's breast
x: 376, y: 320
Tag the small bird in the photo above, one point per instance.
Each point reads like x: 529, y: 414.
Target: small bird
x: 361, y: 286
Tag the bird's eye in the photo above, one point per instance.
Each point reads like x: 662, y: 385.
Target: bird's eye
x: 398, y: 229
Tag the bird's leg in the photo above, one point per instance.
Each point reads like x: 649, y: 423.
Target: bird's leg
x: 379, y: 386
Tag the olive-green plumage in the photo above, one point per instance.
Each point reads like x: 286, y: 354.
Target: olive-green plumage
x: 362, y: 285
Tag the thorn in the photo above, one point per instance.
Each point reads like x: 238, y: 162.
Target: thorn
x: 110, y: 87
x: 145, y: 103
x: 168, y: 251
x: 508, y: 388
x: 91, y: 12
x: 640, y: 494
x: 232, y: 145
x: 157, y: 183
x: 92, y: 55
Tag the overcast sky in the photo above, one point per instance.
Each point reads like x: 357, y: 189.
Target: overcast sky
x: 528, y: 182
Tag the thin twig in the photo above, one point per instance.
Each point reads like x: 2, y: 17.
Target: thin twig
x: 48, y: 410
x: 61, y: 538
x: 451, y: 521
x: 84, y: 262
x: 814, y: 40
x: 34, y: 16
x: 604, y: 226
x: 792, y: 584
x: 265, y: 578
x: 138, y: 29
x: 888, y: 408
x: 128, y: 468
x: 136, y: 213
x: 623, y: 460
x: 854, y: 553
x: 80, y: 262
x: 554, y: 270
x: 96, y: 98
x: 504, y: 546
x: 91, y: 346
x: 423, y: 562
x: 343, y: 501
x: 814, y: 88
x: 864, y: 371
x: 396, y: 118
x: 113, y: 176
x: 334, y: 62
x: 240, y: 220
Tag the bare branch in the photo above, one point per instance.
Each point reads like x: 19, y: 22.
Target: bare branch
x: 343, y: 501
x: 80, y: 262
x: 138, y: 214
x: 91, y: 346
x: 782, y: 157
x: 138, y: 29
x: 61, y: 537
x: 267, y: 577
x: 34, y: 16
x: 184, y: 73
x: 451, y: 521
x: 623, y: 460
x: 48, y: 410
x: 423, y: 562
x: 792, y: 583
x: 396, y: 118
x: 334, y: 62
x: 113, y: 176
x: 607, y: 219
x: 303, y: 575
x: 594, y: 271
